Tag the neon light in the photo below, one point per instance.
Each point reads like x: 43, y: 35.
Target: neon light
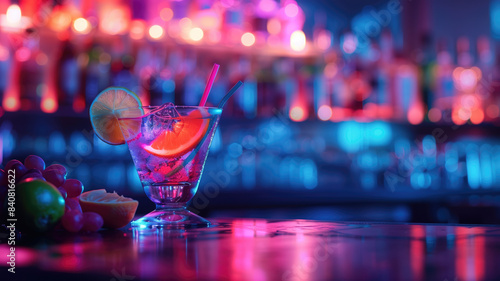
x: 11, y: 104
x: 267, y: 5
x: 349, y: 44
x: 156, y: 31
x: 137, y: 28
x: 330, y: 70
x: 434, y: 115
x: 492, y: 111
x: 324, y: 40
x: 79, y: 104
x: 114, y: 21
x: 291, y: 10
x: 49, y: 105
x: 477, y: 116
x: 247, y: 39
x: 60, y: 20
x: 325, y: 112
x: 196, y: 34
x: 23, y: 54
x: 298, y: 41
x: 297, y: 114
x: 273, y: 26
x: 415, y: 115
x: 166, y: 14
x: 13, y: 15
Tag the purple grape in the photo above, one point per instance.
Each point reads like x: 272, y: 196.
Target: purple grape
x: 73, y: 187
x: 63, y: 192
x: 34, y: 162
x: 34, y: 171
x: 60, y: 168
x: 92, y: 222
x: 54, y: 177
x: 19, y: 168
x: 72, y: 221
x: 9, y: 164
x: 73, y: 204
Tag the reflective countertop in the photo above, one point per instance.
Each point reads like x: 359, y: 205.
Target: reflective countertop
x: 258, y: 249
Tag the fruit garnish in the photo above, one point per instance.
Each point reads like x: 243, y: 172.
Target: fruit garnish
x: 73, y: 187
x: 183, y: 137
x: 38, y: 204
x: 72, y: 221
x: 108, y: 107
x: 92, y: 221
x: 116, y: 211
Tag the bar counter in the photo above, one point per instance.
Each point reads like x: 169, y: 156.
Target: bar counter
x: 258, y: 249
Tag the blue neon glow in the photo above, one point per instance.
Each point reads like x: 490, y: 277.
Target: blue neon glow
x: 57, y: 144
x: 379, y: 133
x: 168, y: 86
x: 247, y: 99
x: 40, y: 145
x: 133, y: 179
x: 309, y: 173
x: 80, y: 145
x: 116, y: 176
x: 495, y: 18
x: 473, y: 169
x: 486, y: 171
x: 350, y: 136
x: 353, y: 136
x: 451, y: 158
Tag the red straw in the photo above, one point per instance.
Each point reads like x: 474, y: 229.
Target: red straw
x: 209, y: 84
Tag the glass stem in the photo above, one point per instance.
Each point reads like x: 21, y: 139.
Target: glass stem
x: 171, y: 206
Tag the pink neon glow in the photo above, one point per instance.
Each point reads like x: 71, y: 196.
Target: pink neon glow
x: 415, y: 115
x: 324, y: 112
x: 23, y: 54
x: 267, y: 5
x: 350, y: 44
x: 291, y: 10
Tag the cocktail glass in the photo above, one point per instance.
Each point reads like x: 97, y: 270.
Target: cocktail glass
x: 169, y: 145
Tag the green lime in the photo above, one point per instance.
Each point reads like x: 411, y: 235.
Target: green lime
x: 39, y: 205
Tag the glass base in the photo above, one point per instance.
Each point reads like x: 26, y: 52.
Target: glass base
x: 178, y: 218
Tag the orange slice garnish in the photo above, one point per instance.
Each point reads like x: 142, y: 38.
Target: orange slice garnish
x: 116, y: 211
x: 110, y: 105
x: 184, y: 136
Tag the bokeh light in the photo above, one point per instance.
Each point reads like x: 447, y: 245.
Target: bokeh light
x: 297, y: 114
x: 291, y: 10
x: 156, y: 32
x: 196, y: 34
x: 81, y: 25
x: 13, y: 15
x: 325, y: 112
x: 298, y: 41
x: 434, y: 115
x: 247, y: 39
x: 166, y: 14
x: 273, y: 26
x: 137, y: 28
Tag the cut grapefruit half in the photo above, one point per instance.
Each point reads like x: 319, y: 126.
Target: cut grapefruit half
x: 116, y: 211
x: 184, y: 136
x: 106, y: 109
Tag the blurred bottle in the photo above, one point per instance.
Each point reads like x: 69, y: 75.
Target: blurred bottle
x: 443, y: 85
x: 31, y: 73
x: 97, y: 72
x: 68, y: 73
